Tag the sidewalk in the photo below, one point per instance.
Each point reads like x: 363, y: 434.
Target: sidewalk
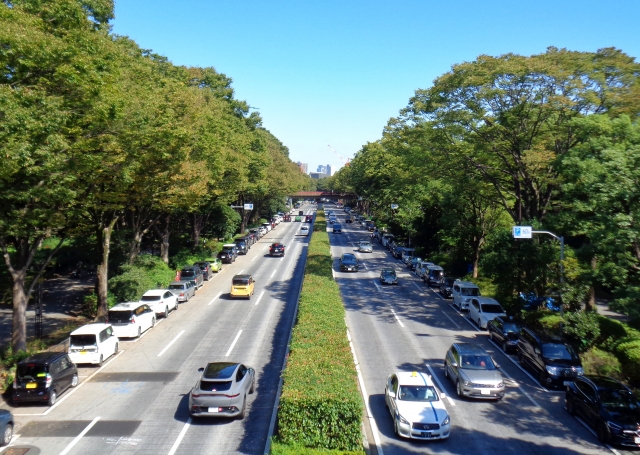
x: 61, y: 304
x: 602, y: 306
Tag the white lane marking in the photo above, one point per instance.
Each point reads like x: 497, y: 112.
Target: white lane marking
x: 544, y: 389
x: 259, y: 297
x: 256, y: 257
x: 397, y: 318
x: 77, y: 438
x: 416, y: 285
x: 215, y: 298
x: 274, y: 272
x: 73, y: 390
x: 365, y: 397
x: 452, y: 321
x: 521, y: 389
x: 170, y: 343
x: 282, y: 259
x: 267, y: 246
x: 584, y: 424
x: 435, y: 378
x: 175, y: 445
x: 438, y: 294
x: 233, y: 344
x: 240, y: 272
x: 375, y: 282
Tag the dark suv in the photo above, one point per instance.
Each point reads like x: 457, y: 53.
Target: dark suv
x: 205, y: 266
x: 445, y: 286
x: 43, y: 376
x: 242, y: 246
x: 193, y: 273
x: 552, y: 359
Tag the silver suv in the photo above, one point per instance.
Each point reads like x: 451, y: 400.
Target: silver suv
x: 474, y: 372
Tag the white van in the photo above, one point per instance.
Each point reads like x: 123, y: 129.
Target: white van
x: 92, y: 343
x: 131, y: 319
x: 463, y: 292
x: 304, y: 230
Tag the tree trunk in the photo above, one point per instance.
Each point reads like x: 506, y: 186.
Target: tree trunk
x: 139, y: 230
x: 20, y: 300
x: 104, y: 246
x: 590, y: 304
x: 196, y: 228
x: 163, y: 235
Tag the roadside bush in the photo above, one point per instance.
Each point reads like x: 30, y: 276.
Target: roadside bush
x: 628, y: 353
x: 147, y: 272
x: 611, y: 332
x: 186, y: 256
x: 90, y: 304
x: 597, y: 361
x: 543, y: 320
x: 582, y: 328
x: 320, y: 407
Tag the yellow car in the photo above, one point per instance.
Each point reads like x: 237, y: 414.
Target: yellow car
x: 242, y: 286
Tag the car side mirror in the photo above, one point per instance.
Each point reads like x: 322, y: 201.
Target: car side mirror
x: 392, y: 394
x: 536, y: 350
x: 200, y: 370
x: 454, y: 364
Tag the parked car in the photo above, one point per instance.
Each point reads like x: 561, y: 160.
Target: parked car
x: 130, y: 319
x: 42, y: 377
x: 483, y: 310
x: 407, y: 254
x: 267, y: 226
x: 183, y: 290
x: 421, y: 268
x: 257, y: 232
x: 551, y: 359
x: 6, y: 427
x: 304, y: 230
x: 385, y: 239
x: 433, y: 275
x: 193, y: 273
x: 388, y: 276
x: 241, y: 246
x: 222, y: 390
x: 348, y: 220
x: 608, y: 406
x: 413, y: 261
x: 228, y: 254
x: 396, y: 249
x: 337, y: 228
x: 161, y: 301
x: 205, y: 266
x: 505, y: 332
x: 365, y: 247
x: 463, y: 292
x: 446, y: 286
x: 92, y: 343
x: 276, y: 249
x: 370, y: 225
x: 242, y: 286
x: 416, y: 407
x: 473, y: 372
x: 348, y: 263
x: 215, y: 265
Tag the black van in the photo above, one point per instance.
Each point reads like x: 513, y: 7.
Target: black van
x: 42, y: 377
x: 241, y: 246
x: 552, y: 359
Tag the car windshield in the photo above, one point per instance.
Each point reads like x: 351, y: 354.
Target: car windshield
x: 365, y: 244
x: 178, y: 287
x: 240, y: 281
x: 491, y: 308
x: 32, y: 371
x: 470, y: 291
x: 215, y: 386
x: 557, y: 351
x: 435, y: 273
x: 82, y: 340
x: 150, y: 298
x: 388, y: 272
x: 617, y: 400
x: 511, y: 327
x: 477, y: 362
x: 417, y: 393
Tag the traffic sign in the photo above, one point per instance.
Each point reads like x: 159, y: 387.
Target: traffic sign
x: 248, y: 206
x: 522, y: 232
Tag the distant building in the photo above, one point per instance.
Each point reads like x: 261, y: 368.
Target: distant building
x: 322, y: 169
x: 328, y: 170
x: 318, y: 175
x: 303, y: 167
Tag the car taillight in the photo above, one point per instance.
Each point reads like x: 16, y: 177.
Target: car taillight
x: 182, y: 294
x: 48, y: 382
x: 232, y: 396
x: 132, y: 320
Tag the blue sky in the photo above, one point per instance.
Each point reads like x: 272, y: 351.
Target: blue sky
x: 334, y: 72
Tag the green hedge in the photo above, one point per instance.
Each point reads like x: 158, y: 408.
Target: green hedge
x: 146, y: 272
x: 320, y: 407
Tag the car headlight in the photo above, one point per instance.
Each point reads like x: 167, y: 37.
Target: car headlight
x: 580, y: 370
x: 446, y: 421
x: 500, y: 385
x: 402, y: 419
x: 552, y: 370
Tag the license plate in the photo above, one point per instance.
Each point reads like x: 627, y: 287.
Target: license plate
x: 485, y: 392
x: 83, y: 352
x: 31, y: 385
x: 636, y: 440
x: 425, y: 434
x: 213, y: 409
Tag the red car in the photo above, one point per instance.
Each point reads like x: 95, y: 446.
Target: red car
x: 309, y: 219
x: 276, y: 249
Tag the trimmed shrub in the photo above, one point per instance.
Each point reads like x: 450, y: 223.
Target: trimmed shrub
x: 284, y: 449
x: 321, y: 406
x: 611, y: 332
x: 628, y: 353
x: 582, y: 328
x: 147, y: 272
x: 596, y: 361
x: 543, y: 320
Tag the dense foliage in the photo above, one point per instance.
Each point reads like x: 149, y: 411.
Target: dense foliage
x: 103, y: 140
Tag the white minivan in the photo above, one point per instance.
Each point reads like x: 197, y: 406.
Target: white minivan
x: 462, y: 293
x: 131, y: 319
x: 92, y: 343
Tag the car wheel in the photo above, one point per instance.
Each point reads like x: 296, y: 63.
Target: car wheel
x: 253, y: 385
x: 479, y: 326
x: 491, y: 336
x: 542, y: 379
x: 505, y: 348
x: 74, y: 380
x: 139, y: 331
x: 244, y: 408
x: 115, y: 351
x: 153, y: 322
x: 166, y: 312
x: 459, y: 388
x: 603, y: 434
x: 177, y: 305
x: 100, y: 361
x: 446, y: 371
x: 395, y: 426
x: 8, y: 434
x: 52, y: 398
x: 570, y: 408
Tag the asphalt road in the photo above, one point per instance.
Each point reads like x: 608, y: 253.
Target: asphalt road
x: 410, y: 327
x: 137, y: 402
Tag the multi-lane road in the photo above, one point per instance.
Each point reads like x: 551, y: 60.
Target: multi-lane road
x: 137, y: 402
x: 410, y: 327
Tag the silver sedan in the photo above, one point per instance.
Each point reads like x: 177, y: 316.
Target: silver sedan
x: 365, y: 247
x: 222, y: 390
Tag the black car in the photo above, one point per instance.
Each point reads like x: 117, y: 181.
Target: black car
x: 553, y: 360
x: 608, y: 406
x: 337, y: 227
x: 348, y: 263
x: 388, y: 276
x: 42, y: 377
x: 446, y: 285
x: 349, y: 220
x: 505, y: 332
x: 228, y: 254
x: 6, y: 427
x: 241, y: 245
x: 396, y: 249
x: 193, y: 273
x: 205, y: 266
x: 276, y: 249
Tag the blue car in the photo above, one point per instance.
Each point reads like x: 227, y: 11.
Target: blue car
x: 6, y: 427
x: 533, y: 302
